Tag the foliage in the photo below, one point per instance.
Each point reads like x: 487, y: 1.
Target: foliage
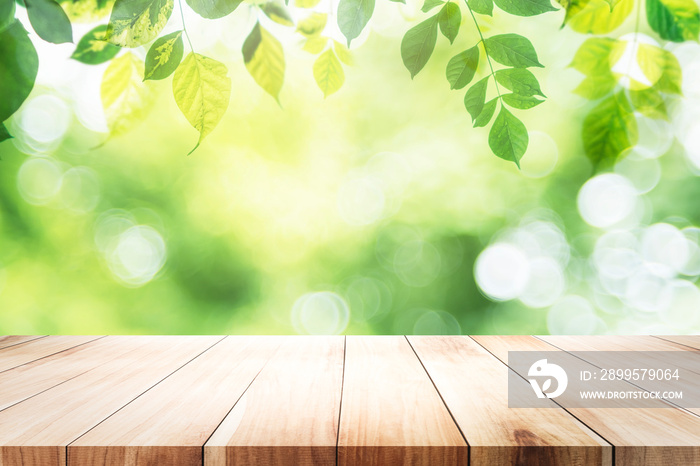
x: 486, y: 69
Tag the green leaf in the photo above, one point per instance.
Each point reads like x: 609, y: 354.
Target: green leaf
x: 49, y: 21
x: 264, y: 58
x: 596, y: 87
x: 418, y: 44
x: 137, y: 22
x: 450, y: 18
x: 353, y: 16
x: 521, y: 102
x: 608, y: 130
x: 483, y: 7
x: 125, y: 97
x: 343, y: 53
x: 328, y: 73
x: 93, y: 49
x: 520, y: 81
x: 475, y: 97
x: 674, y: 20
x: 430, y: 4
x: 649, y: 103
x: 315, y: 44
x: 213, y: 9
x: 593, y: 56
x: 486, y: 114
x: 312, y: 25
x: 306, y: 3
x: 508, y: 137
x: 660, y: 67
x: 4, y: 133
x: 596, y: 17
x: 7, y: 14
x: 525, y: 7
x: 19, y: 64
x: 278, y: 14
x: 202, y: 91
x: 512, y: 50
x: 164, y: 56
x: 462, y: 67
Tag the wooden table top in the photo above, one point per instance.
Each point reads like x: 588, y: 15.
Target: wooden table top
x: 355, y: 400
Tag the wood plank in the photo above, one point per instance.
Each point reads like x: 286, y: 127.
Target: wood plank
x: 17, y: 355
x: 497, y: 434
x: 42, y: 426
x: 170, y: 423
x: 32, y: 378
x: 391, y: 413
x: 289, y: 415
x: 11, y: 340
x: 688, y: 340
x: 640, y: 436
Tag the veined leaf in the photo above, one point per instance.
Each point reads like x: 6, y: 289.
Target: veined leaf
x: 315, y: 44
x: 596, y: 17
x: 18, y: 67
x: 462, y: 67
x: 450, y: 18
x: 164, y: 56
x: 525, y: 7
x: 343, y: 53
x: 649, y: 103
x: 49, y: 21
x: 430, y: 4
x: 483, y: 7
x: 475, y: 97
x: 520, y: 81
x: 264, y: 57
x: 93, y: 49
x: 521, y: 101
x: 593, y: 56
x: 202, y: 91
x: 4, y: 133
x: 328, y: 73
x: 508, y: 137
x: 7, y: 14
x: 277, y: 13
x: 486, y: 113
x: 137, y: 22
x: 512, y: 50
x: 609, y: 130
x: 674, y: 20
x: 125, y: 97
x: 353, y: 16
x: 312, y: 25
x: 213, y: 9
x: 661, y: 68
x: 418, y: 44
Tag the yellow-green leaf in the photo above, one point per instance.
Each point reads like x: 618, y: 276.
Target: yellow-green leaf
x: 609, y: 130
x: 675, y: 20
x: 202, y: 91
x: 343, y: 53
x: 306, y: 3
x: 315, y: 44
x: 328, y: 73
x: 264, y: 57
x: 126, y: 98
x: 93, y: 49
x: 660, y: 67
x: 278, y: 14
x: 137, y: 22
x: 596, y: 17
x: 312, y: 25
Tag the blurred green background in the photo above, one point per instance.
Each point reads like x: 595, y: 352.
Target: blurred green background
x: 376, y: 211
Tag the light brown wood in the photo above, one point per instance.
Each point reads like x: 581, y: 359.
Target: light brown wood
x: 42, y: 426
x: 11, y: 340
x: 170, y: 423
x: 289, y: 414
x: 497, y: 434
x: 648, y: 436
x: 692, y: 341
x: 17, y: 355
x: 391, y: 412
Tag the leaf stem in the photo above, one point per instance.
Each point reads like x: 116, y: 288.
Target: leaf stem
x: 184, y: 27
x: 488, y: 58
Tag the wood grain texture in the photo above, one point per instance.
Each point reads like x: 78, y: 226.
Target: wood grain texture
x: 653, y: 437
x: 11, y: 340
x: 289, y: 414
x: 36, y: 427
x: 692, y: 341
x: 391, y: 413
x: 497, y: 434
x: 24, y: 353
x: 170, y: 423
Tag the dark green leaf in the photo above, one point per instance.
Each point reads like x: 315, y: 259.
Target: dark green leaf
x: 430, y: 4
x: 18, y: 67
x: 450, y: 18
x: 164, y: 56
x: 674, y: 20
x: 525, y: 7
x: 4, y: 133
x: 7, y: 14
x: 475, y: 97
x: 137, y: 22
x: 508, y: 137
x: 520, y: 81
x: 418, y: 44
x: 213, y: 9
x: 483, y: 7
x: 93, y: 49
x: 609, y: 130
x: 521, y: 101
x: 353, y: 16
x: 278, y: 14
x: 486, y: 114
x: 512, y: 50
x: 49, y: 21
x: 462, y: 67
